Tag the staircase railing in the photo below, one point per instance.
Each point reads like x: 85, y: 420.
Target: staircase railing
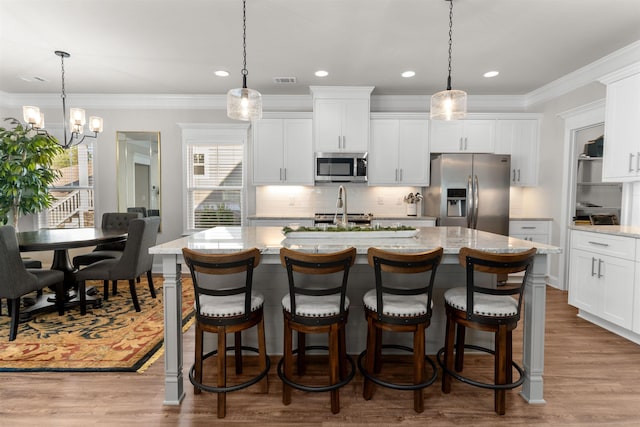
x: 68, y: 211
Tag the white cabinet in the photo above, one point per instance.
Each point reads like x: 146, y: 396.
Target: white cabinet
x: 341, y: 118
x: 472, y: 136
x: 533, y: 231
x: 601, y: 276
x: 636, y: 294
x: 283, y: 152
x: 621, y: 159
x: 399, y: 152
x: 519, y: 138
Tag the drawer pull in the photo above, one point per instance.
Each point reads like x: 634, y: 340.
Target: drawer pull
x: 593, y: 268
x: 599, y: 244
x: 600, y: 262
x: 528, y: 227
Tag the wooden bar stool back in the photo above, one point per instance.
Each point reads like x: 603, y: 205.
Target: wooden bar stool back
x: 493, y: 309
x: 316, y: 303
x: 226, y: 307
x: 396, y: 306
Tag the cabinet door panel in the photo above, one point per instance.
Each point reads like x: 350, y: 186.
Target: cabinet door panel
x: 382, y: 165
x: 298, y: 153
x: 584, y: 288
x: 446, y: 137
x: 479, y: 136
x: 268, y: 140
x: 616, y: 280
x: 328, y: 125
x: 413, y: 152
x: 355, y: 127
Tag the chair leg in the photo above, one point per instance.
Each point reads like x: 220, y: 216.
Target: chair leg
x: 198, y: 358
x: 500, y: 369
x: 509, y: 359
x: 114, y: 287
x: 105, y: 284
x: 460, y: 336
x: 377, y: 368
x: 222, y: 371
x: 14, y: 310
x: 449, y: 337
x: 334, y: 366
x: 342, y: 351
x: 134, y: 294
x: 262, y: 350
x: 287, y: 354
x: 302, y: 344
x: 152, y: 289
x: 368, y: 387
x: 82, y: 290
x: 418, y: 367
x: 237, y: 338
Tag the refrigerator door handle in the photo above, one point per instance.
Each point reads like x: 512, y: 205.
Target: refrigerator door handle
x: 469, y: 203
x: 476, y: 201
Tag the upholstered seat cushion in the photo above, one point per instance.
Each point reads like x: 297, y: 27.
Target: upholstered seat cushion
x: 95, y: 256
x: 398, y: 305
x: 315, y: 306
x: 484, y: 305
x: 228, y: 306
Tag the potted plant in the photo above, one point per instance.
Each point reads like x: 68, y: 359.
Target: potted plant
x: 26, y: 156
x: 412, y: 203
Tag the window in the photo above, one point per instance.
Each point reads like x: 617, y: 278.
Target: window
x: 73, y: 191
x: 215, y: 184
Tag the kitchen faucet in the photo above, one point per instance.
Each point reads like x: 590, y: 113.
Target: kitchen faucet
x: 341, y: 204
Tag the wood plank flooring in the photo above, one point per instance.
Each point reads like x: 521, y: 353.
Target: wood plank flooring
x: 592, y: 377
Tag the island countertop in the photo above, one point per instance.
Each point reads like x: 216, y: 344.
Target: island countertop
x: 269, y: 240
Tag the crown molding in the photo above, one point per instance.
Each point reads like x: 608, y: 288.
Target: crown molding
x: 593, y: 72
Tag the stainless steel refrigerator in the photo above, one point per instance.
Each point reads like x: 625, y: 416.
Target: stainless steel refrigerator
x: 470, y: 190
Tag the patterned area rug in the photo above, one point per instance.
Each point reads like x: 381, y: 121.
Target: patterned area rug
x: 113, y: 337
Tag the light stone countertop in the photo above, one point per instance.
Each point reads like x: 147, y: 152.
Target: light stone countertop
x: 617, y: 230
x: 270, y: 239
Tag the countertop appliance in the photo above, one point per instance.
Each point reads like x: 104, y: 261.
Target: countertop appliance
x: 470, y: 190
x: 356, y: 218
x: 341, y: 167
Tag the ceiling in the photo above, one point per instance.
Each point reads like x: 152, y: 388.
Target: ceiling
x: 174, y: 46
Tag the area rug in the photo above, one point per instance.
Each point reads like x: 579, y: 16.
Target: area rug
x: 113, y: 337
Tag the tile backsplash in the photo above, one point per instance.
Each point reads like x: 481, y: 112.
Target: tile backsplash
x: 280, y: 200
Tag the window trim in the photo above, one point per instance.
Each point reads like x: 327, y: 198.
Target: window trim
x: 212, y: 134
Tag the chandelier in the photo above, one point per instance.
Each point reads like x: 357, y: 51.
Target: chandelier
x: 243, y: 103
x: 449, y: 104
x: 35, y: 119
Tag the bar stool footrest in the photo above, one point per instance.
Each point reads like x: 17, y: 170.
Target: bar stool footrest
x: 231, y: 388
x: 315, y: 389
x: 397, y: 386
x: 462, y: 378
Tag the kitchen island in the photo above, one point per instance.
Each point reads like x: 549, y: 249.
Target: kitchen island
x: 270, y: 279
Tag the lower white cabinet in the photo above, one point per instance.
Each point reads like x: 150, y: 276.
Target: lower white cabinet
x: 602, y: 276
x: 533, y: 231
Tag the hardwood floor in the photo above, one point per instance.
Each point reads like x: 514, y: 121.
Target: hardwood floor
x: 592, y: 377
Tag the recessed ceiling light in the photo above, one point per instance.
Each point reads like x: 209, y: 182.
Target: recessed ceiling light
x: 491, y: 73
x: 407, y: 74
x: 221, y: 73
x: 322, y: 73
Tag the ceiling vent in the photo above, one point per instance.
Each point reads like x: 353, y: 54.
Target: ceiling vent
x: 285, y: 80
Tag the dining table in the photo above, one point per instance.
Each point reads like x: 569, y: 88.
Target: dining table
x: 60, y: 240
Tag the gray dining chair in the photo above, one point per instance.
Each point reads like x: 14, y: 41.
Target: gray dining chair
x: 16, y: 280
x: 118, y: 221
x: 135, y: 261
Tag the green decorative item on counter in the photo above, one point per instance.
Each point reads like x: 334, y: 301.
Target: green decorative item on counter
x: 287, y: 230
x: 26, y: 172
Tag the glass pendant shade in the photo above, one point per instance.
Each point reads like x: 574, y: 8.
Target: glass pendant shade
x: 449, y: 105
x: 30, y: 114
x: 244, y: 104
x: 95, y: 124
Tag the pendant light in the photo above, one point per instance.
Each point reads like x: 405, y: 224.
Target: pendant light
x: 449, y: 104
x: 244, y: 103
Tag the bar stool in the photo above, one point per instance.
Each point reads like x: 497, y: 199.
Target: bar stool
x: 224, y: 307
x: 494, y: 310
x: 316, y: 305
x: 395, y: 306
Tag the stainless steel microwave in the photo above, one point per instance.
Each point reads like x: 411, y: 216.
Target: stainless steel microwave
x: 341, y: 167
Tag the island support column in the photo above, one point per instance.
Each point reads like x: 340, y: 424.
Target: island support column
x: 172, y: 288
x: 533, y: 336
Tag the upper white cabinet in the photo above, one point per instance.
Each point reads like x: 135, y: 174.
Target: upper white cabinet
x: 456, y: 136
x: 399, y: 152
x: 621, y: 159
x: 341, y: 118
x: 283, y: 152
x: 520, y: 139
